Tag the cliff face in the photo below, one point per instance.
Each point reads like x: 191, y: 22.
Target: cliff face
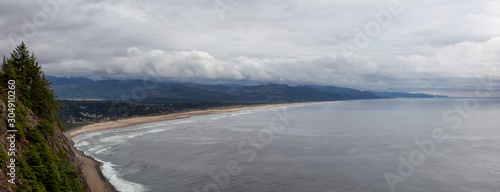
x: 4, y: 184
x: 67, y: 165
x: 34, y: 153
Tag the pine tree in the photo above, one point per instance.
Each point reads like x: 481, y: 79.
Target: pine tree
x: 7, y: 71
x: 20, y: 59
x: 43, y: 165
x: 33, y: 89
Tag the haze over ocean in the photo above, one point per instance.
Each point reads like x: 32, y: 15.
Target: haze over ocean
x: 366, y: 145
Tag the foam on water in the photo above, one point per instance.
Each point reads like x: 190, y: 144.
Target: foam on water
x: 96, y: 148
x: 102, y: 150
x: 93, y: 144
x: 112, y: 173
x: 156, y: 130
x: 185, y: 121
x: 81, y: 144
x: 114, y: 139
x: 218, y: 117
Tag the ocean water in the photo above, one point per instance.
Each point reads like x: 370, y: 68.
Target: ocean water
x: 366, y: 145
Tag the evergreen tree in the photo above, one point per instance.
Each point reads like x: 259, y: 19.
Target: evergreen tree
x: 33, y: 89
x: 20, y: 60
x: 43, y: 165
x: 7, y: 70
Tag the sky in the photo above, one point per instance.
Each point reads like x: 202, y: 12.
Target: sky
x: 447, y: 47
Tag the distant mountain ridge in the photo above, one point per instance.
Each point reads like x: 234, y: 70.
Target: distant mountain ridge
x: 406, y: 95
x: 68, y: 81
x: 84, y: 88
x: 346, y: 93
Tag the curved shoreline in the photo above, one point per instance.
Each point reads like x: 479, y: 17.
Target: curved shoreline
x: 92, y: 168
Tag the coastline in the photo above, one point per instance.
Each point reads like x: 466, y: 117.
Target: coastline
x: 92, y: 168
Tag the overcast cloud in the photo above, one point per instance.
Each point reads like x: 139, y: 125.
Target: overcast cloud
x: 417, y: 46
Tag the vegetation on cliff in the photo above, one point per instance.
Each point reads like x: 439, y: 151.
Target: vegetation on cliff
x: 43, y: 157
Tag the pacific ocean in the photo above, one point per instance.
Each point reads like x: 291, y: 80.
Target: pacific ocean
x: 364, y: 145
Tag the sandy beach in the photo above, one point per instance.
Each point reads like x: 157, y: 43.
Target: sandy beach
x: 91, y: 167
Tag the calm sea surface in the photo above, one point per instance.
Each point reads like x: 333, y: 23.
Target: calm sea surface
x: 368, y: 145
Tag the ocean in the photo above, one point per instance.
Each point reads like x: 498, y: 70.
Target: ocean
x: 363, y: 145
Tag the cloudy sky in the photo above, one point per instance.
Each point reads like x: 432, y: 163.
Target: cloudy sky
x: 447, y: 47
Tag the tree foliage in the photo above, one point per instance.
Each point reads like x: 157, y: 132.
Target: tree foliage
x: 43, y: 163
x: 33, y: 89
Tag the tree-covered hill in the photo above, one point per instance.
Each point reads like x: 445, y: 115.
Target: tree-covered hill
x: 32, y: 145
x: 81, y: 88
x: 346, y: 93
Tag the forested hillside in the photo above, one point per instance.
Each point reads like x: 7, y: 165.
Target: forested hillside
x: 34, y: 153
x: 81, y: 88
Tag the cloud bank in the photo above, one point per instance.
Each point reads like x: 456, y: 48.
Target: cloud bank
x: 429, y: 46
